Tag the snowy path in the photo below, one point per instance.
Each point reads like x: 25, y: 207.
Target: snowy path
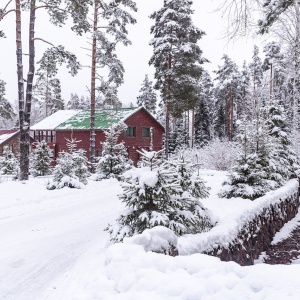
x: 43, y: 234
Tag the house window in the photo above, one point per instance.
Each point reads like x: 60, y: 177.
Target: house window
x: 146, y: 132
x: 131, y: 131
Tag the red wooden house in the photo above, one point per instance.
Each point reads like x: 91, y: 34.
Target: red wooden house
x: 67, y: 124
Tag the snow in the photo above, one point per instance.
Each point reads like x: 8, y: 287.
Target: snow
x: 228, y: 228
x: 53, y: 247
x: 156, y: 239
x: 6, y: 136
x: 54, y: 120
x: 287, y: 229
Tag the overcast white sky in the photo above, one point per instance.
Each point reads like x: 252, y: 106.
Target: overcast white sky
x: 134, y: 57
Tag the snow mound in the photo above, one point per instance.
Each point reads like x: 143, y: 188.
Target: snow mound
x: 158, y: 239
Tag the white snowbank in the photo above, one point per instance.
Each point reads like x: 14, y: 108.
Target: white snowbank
x: 156, y: 239
x: 228, y: 228
x: 287, y: 229
x: 128, y: 272
x: 52, y: 248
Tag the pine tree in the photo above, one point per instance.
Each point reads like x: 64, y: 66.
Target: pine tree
x: 105, y: 38
x: 47, y: 92
x: 114, y: 160
x: 153, y: 197
x: 74, y: 102
x: 9, y: 165
x: 147, y: 97
x: 40, y: 160
x: 177, y: 58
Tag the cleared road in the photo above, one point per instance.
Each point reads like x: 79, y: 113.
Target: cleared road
x: 44, y: 233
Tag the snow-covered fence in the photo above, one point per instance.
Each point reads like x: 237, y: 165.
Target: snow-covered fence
x: 242, y: 239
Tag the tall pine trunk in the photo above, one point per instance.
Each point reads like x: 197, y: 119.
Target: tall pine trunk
x: 19, y: 53
x: 271, y: 84
x: 25, y: 120
x: 167, y: 107
x: 93, y: 90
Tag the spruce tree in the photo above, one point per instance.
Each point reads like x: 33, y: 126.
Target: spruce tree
x: 189, y: 182
x: 147, y: 97
x: 177, y: 58
x: 40, y: 160
x: 71, y: 169
x: 153, y: 197
x: 6, y: 110
x: 248, y: 177
x: 205, y: 111
x: 9, y: 164
x: 114, y: 160
x: 285, y: 159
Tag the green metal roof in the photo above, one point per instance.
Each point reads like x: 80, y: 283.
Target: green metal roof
x: 103, y: 118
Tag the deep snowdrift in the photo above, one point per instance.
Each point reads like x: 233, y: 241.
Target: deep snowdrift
x: 53, y: 247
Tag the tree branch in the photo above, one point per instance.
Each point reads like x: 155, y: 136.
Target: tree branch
x: 39, y: 39
x: 4, y: 14
x: 4, y: 9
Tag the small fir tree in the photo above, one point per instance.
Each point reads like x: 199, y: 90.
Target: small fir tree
x: 71, y: 168
x: 147, y: 97
x: 153, y: 197
x: 114, y: 160
x: 40, y: 160
x: 9, y: 165
x: 190, y: 182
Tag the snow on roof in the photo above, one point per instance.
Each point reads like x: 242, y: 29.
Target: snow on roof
x: 80, y: 119
x: 55, y: 120
x: 103, y: 118
x: 5, y: 136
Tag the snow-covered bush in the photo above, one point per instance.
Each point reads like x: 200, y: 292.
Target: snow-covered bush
x: 9, y: 164
x: 114, y: 160
x: 40, y: 160
x: 153, y: 197
x: 216, y: 155
x: 158, y: 239
x: 71, y: 169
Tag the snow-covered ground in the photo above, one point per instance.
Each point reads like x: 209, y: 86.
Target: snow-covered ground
x: 53, y: 247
